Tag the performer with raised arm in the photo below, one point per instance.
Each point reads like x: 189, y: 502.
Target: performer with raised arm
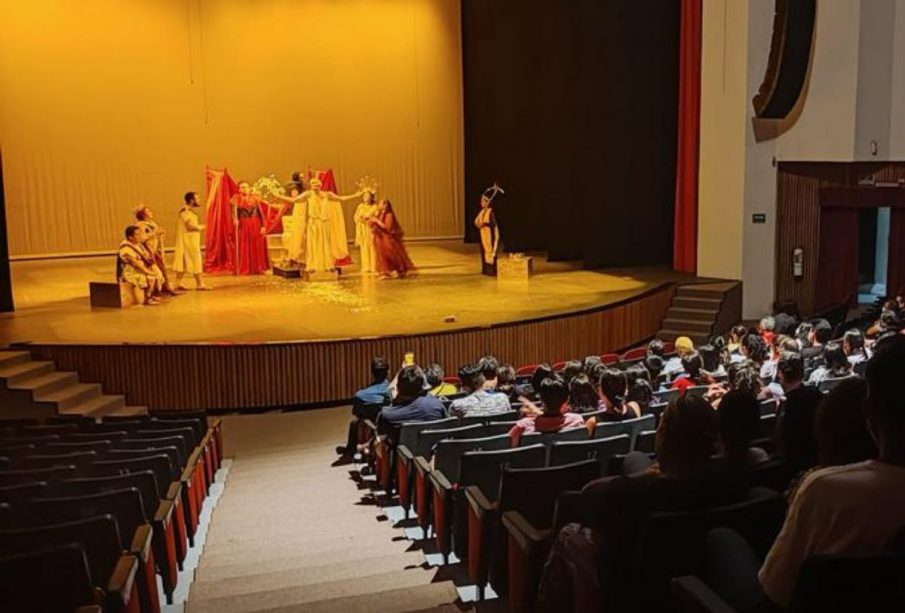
x: 366, y: 211
x: 486, y: 224
x: 187, y: 253
x: 251, y: 244
x: 391, y: 255
x: 326, y: 246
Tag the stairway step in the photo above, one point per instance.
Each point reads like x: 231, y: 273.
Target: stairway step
x: 97, y: 407
x: 128, y: 411
x: 283, y: 546
x: 233, y: 568
x: 295, y: 595
x: 48, y: 383
x: 699, y: 292
x: 71, y: 396
x: 708, y: 315
x: 17, y: 373
x: 671, y: 335
x: 697, y: 303
x: 434, y: 597
x: 11, y: 358
x: 254, y: 580
x: 688, y: 325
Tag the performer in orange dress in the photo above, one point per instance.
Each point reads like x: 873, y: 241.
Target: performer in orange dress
x: 248, y: 215
x: 392, y: 258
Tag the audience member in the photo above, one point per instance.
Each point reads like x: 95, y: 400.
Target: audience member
x: 412, y: 403
x: 654, y: 365
x: 739, y: 418
x: 588, y: 568
x: 754, y: 349
x: 489, y: 366
x: 656, y: 347
x: 572, y: 369
x: 590, y: 363
x: 505, y: 383
x: 692, y: 374
x: 613, y: 387
x: 803, y: 335
x: 840, y: 427
x: 439, y: 387
x: 367, y: 402
x: 795, y: 439
x: 554, y: 418
x: 684, y: 346
x: 583, y: 395
x: 820, y: 333
x: 710, y: 361
x: 640, y: 394
x: 853, y: 346
x: 480, y: 401
x: 766, y: 327
x: 835, y: 366
x: 736, y: 335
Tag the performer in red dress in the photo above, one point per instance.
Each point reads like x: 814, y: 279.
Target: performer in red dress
x: 391, y: 254
x: 248, y: 214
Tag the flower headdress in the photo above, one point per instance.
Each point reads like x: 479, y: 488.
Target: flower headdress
x: 491, y: 192
x: 267, y: 187
x: 367, y: 184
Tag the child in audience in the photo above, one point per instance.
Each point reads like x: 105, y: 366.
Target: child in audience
x: 836, y: 365
x: 692, y: 373
x: 613, y: 386
x: 853, y: 346
x: 583, y: 395
x: 555, y: 416
x: 439, y: 387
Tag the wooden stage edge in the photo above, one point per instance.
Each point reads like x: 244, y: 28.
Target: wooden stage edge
x: 227, y: 377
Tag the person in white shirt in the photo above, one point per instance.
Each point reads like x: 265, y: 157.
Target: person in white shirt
x: 673, y: 367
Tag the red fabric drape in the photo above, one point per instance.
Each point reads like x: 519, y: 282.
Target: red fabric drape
x: 219, y: 240
x: 837, y: 260
x: 895, y: 268
x: 685, y: 234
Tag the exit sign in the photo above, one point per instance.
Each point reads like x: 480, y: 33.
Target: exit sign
x: 759, y: 218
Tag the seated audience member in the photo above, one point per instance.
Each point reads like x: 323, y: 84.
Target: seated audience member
x: 640, y: 394
x: 853, y: 346
x: 836, y: 365
x: 781, y: 346
x: 657, y: 348
x: 439, y: 387
x: 654, y: 365
x: 692, y: 373
x: 554, y: 418
x: 820, y: 334
x: 613, y: 386
x: 890, y: 321
x: 739, y: 417
x: 479, y: 401
x: 754, y: 349
x: 785, y: 324
x: 366, y: 402
x: 588, y: 568
x: 849, y: 510
x: 795, y: 440
x: 583, y: 396
x: 505, y: 383
x: 840, y: 427
x: 529, y: 391
x: 742, y: 376
x: 572, y: 369
x: 590, y: 363
x: 766, y: 327
x: 710, y: 362
x: 684, y: 346
x: 489, y: 366
x: 803, y: 335
x: 736, y: 335
x: 412, y: 403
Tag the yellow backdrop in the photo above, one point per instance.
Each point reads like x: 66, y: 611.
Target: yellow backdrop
x: 104, y: 104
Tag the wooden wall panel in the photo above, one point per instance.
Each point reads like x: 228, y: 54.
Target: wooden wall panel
x: 241, y: 376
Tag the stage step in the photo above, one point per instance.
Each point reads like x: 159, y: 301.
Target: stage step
x: 689, y: 325
x: 702, y: 310
x: 23, y: 371
x: 680, y: 302
x: 11, y: 358
x: 71, y: 396
x: 691, y: 314
x: 96, y: 407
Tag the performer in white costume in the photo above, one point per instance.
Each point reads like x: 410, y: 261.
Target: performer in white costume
x: 187, y: 250
x: 364, y: 236
x: 324, y: 227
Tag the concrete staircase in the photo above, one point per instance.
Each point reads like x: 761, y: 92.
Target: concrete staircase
x: 702, y: 310
x: 35, y: 389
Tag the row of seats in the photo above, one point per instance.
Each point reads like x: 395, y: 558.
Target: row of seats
x: 109, y: 505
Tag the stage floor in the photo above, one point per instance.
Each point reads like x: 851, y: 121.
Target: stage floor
x: 52, y: 301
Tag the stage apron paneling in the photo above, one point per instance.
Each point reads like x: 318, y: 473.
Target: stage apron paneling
x: 252, y: 376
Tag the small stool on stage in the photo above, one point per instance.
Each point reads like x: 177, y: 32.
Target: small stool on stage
x: 113, y: 295
x: 514, y: 267
x: 287, y: 272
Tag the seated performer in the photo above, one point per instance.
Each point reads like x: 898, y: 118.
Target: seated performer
x: 486, y: 224
x: 324, y: 228
x: 391, y: 256
x: 135, y: 266
x: 187, y: 254
x: 144, y: 217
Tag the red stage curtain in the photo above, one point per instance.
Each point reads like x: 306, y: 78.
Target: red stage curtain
x: 219, y: 240
x: 685, y: 241
x: 837, y: 261
x: 895, y: 270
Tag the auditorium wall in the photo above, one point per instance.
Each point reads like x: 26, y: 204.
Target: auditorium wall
x: 107, y: 104
x: 857, y: 82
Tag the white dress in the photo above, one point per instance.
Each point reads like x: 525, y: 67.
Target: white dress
x: 318, y: 250
x: 187, y: 256
x: 364, y: 237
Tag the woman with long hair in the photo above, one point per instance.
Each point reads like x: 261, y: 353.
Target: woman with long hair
x: 391, y: 256
x: 251, y: 246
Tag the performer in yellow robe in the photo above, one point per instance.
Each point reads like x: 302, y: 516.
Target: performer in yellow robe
x: 364, y: 236
x: 324, y: 227
x: 187, y: 250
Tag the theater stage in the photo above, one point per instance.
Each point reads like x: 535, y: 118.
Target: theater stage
x: 267, y: 341
x: 52, y: 301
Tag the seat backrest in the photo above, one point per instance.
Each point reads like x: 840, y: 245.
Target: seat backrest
x: 768, y: 407
x: 86, y: 436
x: 601, y: 449
x: 448, y: 452
x: 533, y: 491
x: 160, y: 465
x: 13, y: 452
x: 100, y: 447
x: 494, y: 428
x: 157, y: 429
x: 835, y: 583
x: 14, y: 440
x: 24, y: 577
x: 187, y: 434
x: 645, y: 441
x: 473, y: 420
x: 50, y: 475
x: 130, y: 454
x: 627, y: 426
x: 22, y: 492
x: 117, y: 425
x: 196, y: 425
x: 38, y: 430
x: 504, y: 416
x: 144, y: 481
x: 98, y: 536
x: 125, y: 505
x: 828, y: 384
x: 79, y: 459
x: 767, y: 426
x: 696, y: 391
x: 408, y: 431
x: 667, y: 396
x: 137, y: 444
x: 483, y: 468
x: 427, y: 439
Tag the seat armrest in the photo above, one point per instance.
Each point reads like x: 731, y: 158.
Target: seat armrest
x: 523, y: 533
x: 439, y: 480
x: 141, y: 542
x: 695, y: 596
x: 371, y: 425
x: 190, y: 463
x: 479, y: 502
x: 174, y: 491
x: 405, y: 453
x: 164, y: 512
x: 119, y: 587
x: 422, y: 465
